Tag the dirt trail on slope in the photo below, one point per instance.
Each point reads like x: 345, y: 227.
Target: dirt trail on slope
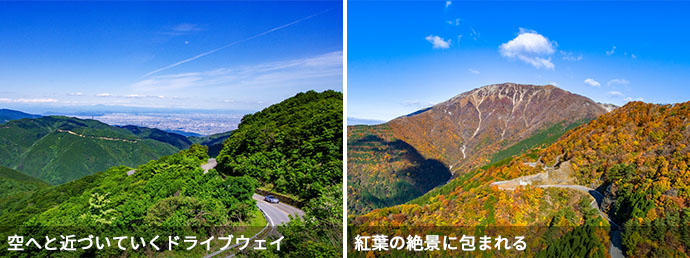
x: 96, y: 137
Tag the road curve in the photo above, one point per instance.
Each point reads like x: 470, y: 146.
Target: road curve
x: 210, y: 165
x: 275, y: 213
x: 616, y: 241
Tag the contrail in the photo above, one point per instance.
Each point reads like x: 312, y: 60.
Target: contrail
x: 235, y: 43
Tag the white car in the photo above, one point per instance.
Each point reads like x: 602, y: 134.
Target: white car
x: 271, y: 199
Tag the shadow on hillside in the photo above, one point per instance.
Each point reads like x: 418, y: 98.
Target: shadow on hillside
x: 413, y: 181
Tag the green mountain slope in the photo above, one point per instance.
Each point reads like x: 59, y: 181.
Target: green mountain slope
x: 172, y: 193
x: 9, y: 115
x: 173, y: 139
x: 295, y: 145
x: 214, y: 142
x: 14, y: 182
x: 61, y: 149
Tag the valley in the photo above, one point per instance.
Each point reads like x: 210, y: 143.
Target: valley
x: 613, y: 186
x: 466, y: 132
x: 188, y: 191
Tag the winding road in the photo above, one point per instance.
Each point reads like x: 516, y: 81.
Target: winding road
x: 614, y: 233
x: 275, y: 213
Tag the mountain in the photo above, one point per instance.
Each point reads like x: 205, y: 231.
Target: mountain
x: 171, y: 194
x: 13, y: 182
x: 361, y: 121
x: 183, y: 133
x: 214, y: 142
x: 60, y: 149
x: 295, y: 150
x: 634, y: 158
x: 179, y: 141
x: 397, y: 161
x: 9, y: 115
x: 293, y: 147
x: 299, y: 139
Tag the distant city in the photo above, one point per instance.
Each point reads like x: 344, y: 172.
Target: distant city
x: 188, y: 124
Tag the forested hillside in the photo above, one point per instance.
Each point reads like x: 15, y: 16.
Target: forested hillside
x: 293, y: 147
x: 635, y: 156
x: 638, y: 157
x: 14, y: 182
x: 171, y: 193
x: 61, y: 149
x: 455, y: 137
x: 395, y: 171
x: 214, y: 142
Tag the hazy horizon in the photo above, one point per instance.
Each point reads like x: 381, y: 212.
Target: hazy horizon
x: 181, y: 55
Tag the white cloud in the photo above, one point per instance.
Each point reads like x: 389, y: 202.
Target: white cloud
x: 448, y: 3
x: 474, y: 34
x: 22, y: 100
x: 438, y: 42
x: 530, y: 47
x: 617, y: 81
x: 554, y: 84
x: 616, y: 93
x: 612, y: 51
x: 103, y: 95
x: 592, y: 82
x: 634, y: 99
x: 455, y: 22
x: 137, y: 96
x: 76, y: 94
x: 633, y: 56
x: 473, y: 71
x: 570, y: 56
x: 326, y: 67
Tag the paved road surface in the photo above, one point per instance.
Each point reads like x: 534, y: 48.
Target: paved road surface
x: 210, y: 165
x: 615, y: 234
x: 277, y: 212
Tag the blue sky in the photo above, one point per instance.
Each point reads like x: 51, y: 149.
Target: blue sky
x: 407, y: 55
x: 210, y: 55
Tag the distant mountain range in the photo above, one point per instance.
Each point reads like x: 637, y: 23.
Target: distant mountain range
x: 361, y: 121
x: 397, y: 161
x: 59, y: 149
x: 9, y: 115
x: 294, y: 148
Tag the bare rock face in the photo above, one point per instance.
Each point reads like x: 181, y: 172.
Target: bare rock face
x: 392, y: 163
x: 464, y: 131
